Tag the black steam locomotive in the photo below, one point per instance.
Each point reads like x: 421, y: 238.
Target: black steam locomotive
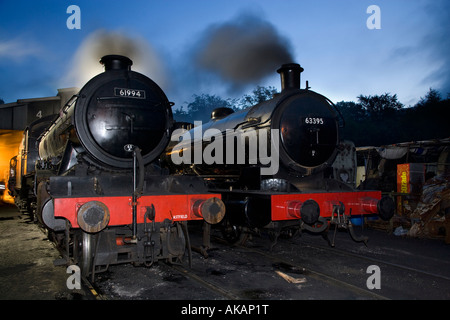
x: 100, y: 189
x: 275, y: 164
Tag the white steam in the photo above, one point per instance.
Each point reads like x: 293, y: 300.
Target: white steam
x: 85, y: 62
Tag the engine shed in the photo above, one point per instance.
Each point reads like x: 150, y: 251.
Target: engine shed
x: 18, y: 115
x: 14, y: 118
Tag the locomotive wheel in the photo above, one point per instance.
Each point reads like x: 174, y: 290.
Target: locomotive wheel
x: 176, y: 243
x: 86, y: 248
x: 233, y: 234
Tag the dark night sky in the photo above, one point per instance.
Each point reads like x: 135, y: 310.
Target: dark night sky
x: 227, y: 47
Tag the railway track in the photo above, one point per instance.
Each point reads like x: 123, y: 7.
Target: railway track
x: 409, y: 268
x: 92, y: 292
x: 207, y: 284
x: 297, y: 269
x: 233, y: 273
x: 320, y: 276
x: 341, y: 252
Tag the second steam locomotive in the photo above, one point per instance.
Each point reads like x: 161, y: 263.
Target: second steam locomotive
x: 276, y: 164
x: 99, y: 186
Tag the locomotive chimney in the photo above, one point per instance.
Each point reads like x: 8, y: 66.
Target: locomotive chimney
x: 290, y: 76
x: 116, y: 62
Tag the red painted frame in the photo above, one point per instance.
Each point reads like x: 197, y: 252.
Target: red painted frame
x: 360, y: 203
x: 173, y: 207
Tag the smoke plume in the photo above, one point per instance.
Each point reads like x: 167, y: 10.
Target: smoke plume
x: 243, y: 50
x: 85, y: 63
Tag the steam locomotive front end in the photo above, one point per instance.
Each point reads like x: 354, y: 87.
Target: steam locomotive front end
x: 118, y: 107
x: 307, y: 124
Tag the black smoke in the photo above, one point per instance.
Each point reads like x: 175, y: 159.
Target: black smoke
x: 225, y: 59
x: 242, y: 51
